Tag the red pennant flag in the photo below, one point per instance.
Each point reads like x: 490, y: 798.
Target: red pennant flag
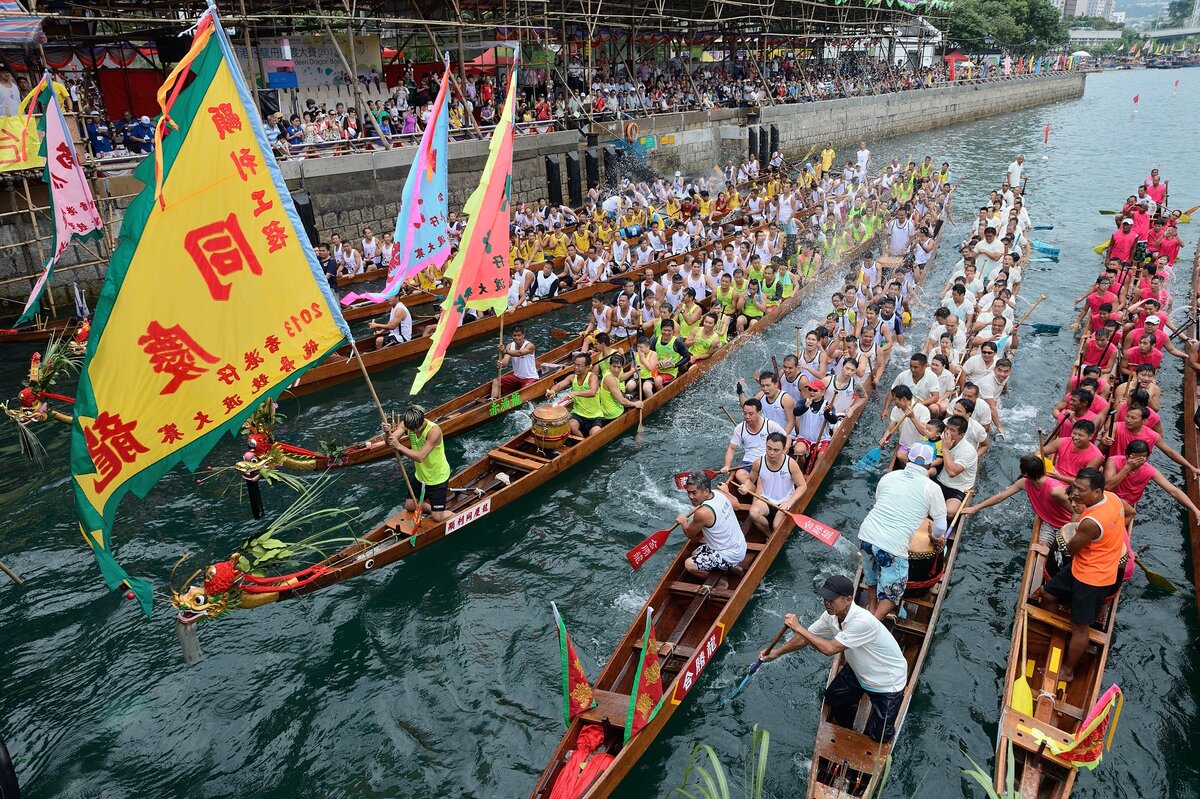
x: 577, y: 691
x: 952, y: 75
x: 647, y: 692
x: 1135, y: 98
x: 1176, y: 84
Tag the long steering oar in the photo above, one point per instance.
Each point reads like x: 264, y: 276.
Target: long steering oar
x: 754, y: 667
x: 1022, y: 695
x: 12, y: 575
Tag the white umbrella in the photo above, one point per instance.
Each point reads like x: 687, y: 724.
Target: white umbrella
x: 1081, y: 54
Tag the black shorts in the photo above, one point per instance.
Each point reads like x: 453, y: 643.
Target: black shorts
x: 586, y: 424
x: 950, y: 493
x: 435, y: 495
x: 1086, y: 600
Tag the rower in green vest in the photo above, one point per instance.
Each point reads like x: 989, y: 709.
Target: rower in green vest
x: 772, y: 287
x: 704, y: 339
x: 687, y: 317
x: 586, y: 415
x: 725, y: 296
x: 754, y: 305
x: 427, y: 450
x: 672, y: 355
x: 612, y: 391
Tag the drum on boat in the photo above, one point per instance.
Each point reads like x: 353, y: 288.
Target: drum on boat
x: 551, y: 424
x: 925, y: 561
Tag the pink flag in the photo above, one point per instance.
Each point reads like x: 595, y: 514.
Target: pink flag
x: 72, y: 208
x: 479, y: 273
x: 1135, y: 98
x: 421, y: 238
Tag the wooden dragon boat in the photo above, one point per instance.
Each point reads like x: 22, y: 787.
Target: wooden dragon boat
x: 1191, y: 433
x: 370, y: 310
x: 30, y: 334
x: 1035, y: 655
x: 503, y: 475
x: 378, y: 273
x: 340, y: 367
x: 691, y: 620
x: 459, y: 415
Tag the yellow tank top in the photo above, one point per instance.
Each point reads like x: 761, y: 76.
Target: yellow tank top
x: 586, y: 407
x: 702, y: 345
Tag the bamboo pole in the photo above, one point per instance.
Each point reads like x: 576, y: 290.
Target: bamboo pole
x: 384, y: 419
x: 37, y: 244
x: 387, y: 144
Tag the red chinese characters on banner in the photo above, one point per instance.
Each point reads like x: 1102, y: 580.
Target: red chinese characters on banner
x: 245, y: 162
x: 224, y: 119
x: 173, y: 351
x: 111, y: 445
x: 695, y: 667
x: 12, y: 148
x: 220, y: 250
x: 64, y: 157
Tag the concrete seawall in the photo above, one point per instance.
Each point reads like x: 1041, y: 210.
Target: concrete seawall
x: 701, y: 140
x: 354, y: 191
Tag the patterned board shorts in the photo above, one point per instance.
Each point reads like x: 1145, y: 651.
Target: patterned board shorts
x: 885, y: 571
x: 707, y: 559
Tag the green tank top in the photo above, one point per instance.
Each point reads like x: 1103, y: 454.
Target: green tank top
x: 769, y: 290
x: 666, y: 354
x: 585, y: 407
x: 702, y: 345
x: 435, y: 469
x: 643, y: 371
x: 726, y: 299
x: 789, y: 287
x: 756, y: 273
x: 610, y: 406
x: 683, y: 326
x: 751, y: 310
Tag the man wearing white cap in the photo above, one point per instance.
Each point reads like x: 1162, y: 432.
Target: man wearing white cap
x: 903, y: 499
x: 140, y: 137
x: 1123, y: 241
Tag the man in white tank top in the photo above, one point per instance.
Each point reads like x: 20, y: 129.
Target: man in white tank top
x: 521, y: 355
x: 599, y: 321
x: 397, y: 329
x: 777, y: 477
x: 776, y: 405
x: 789, y: 377
x: 714, y: 523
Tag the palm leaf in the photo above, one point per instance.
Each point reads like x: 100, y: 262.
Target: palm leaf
x: 27, y: 440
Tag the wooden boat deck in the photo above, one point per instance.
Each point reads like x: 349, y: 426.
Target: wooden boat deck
x: 1191, y: 435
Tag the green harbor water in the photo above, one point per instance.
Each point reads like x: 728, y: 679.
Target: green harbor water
x: 439, y: 676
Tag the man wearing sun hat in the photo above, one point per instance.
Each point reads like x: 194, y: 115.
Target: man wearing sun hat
x: 873, y: 662
x: 903, y: 499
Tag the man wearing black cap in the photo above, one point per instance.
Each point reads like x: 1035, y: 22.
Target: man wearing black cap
x: 872, y: 660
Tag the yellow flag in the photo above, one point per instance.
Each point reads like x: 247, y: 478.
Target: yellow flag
x: 20, y: 139
x: 213, y: 301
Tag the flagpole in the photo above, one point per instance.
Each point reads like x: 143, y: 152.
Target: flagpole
x: 383, y: 418
x: 499, y: 368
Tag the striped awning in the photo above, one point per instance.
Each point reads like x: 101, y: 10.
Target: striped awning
x: 17, y: 26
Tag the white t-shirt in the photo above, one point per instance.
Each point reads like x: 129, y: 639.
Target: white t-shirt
x: 923, y: 390
x: 989, y: 386
x: 908, y: 431
x: 966, y: 456
x: 976, y: 435
x: 1014, y: 173
x: 871, y: 651
x: 754, y: 445
x: 990, y: 252
x: 903, y: 500
x: 976, y: 369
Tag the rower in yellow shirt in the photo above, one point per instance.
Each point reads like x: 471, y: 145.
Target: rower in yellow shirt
x: 705, y: 204
x: 558, y: 244
x: 583, y: 238
x: 827, y: 156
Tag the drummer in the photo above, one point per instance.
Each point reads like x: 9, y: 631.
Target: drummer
x: 586, y: 416
x: 426, y: 448
x: 520, y: 353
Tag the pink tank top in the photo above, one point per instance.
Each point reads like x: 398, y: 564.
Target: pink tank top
x: 1044, y: 505
x: 1134, y: 485
x: 1068, y: 462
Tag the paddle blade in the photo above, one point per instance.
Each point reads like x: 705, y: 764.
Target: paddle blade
x: 823, y: 533
x: 1042, y: 227
x: 738, y: 690
x: 1022, y: 697
x: 642, y: 552
x: 869, y: 461
x: 681, y: 478
x: 1155, y: 579
x: 559, y: 333
x: 1099, y: 248
x: 1040, y: 327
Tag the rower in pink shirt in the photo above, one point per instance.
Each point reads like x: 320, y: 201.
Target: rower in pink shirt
x: 1123, y: 240
x: 1074, y: 453
x: 1130, y: 474
x: 1155, y: 189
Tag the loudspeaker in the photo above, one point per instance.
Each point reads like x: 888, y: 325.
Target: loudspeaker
x: 574, y: 188
x: 268, y: 102
x: 774, y: 138
x: 591, y: 162
x: 308, y: 217
x: 554, y: 179
x: 764, y: 152
x: 753, y: 140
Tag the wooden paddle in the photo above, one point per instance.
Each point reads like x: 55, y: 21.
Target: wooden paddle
x: 1154, y: 578
x: 12, y: 575
x: 559, y: 333
x: 753, y: 667
x: 1022, y: 694
x: 651, y: 544
x: 821, y: 532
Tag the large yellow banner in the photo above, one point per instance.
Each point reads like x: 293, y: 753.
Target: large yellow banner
x: 212, y: 301
x: 19, y: 142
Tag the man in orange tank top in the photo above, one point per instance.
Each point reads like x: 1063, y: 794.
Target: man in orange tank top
x: 1096, y: 548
